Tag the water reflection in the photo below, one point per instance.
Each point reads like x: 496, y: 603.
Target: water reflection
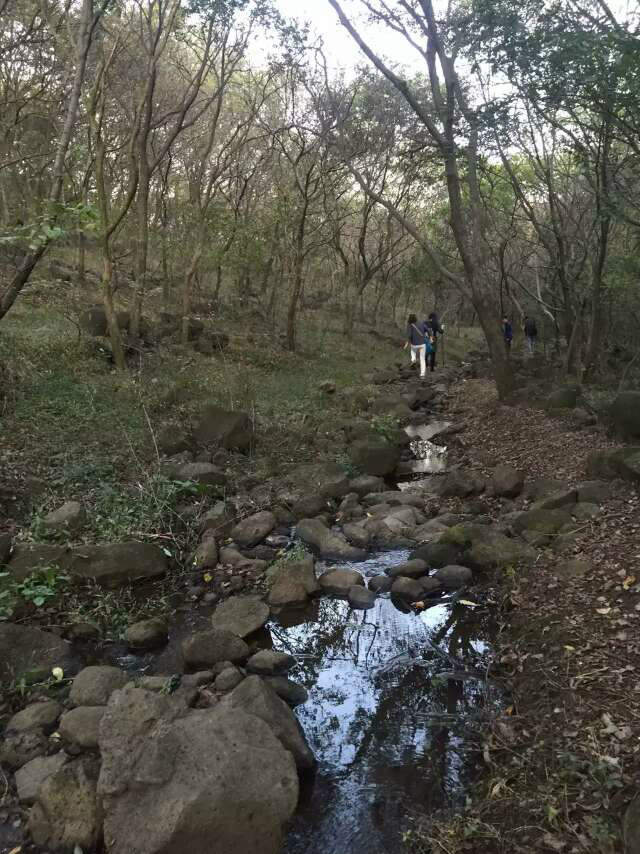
x: 389, y: 733
x: 429, y: 457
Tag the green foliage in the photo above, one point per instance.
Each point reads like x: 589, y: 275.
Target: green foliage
x: 385, y: 426
x: 40, y: 589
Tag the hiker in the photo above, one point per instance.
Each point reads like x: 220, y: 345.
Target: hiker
x: 531, y: 333
x: 507, y: 332
x: 416, y: 341
x: 434, y: 328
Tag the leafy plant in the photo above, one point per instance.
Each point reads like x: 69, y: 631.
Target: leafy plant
x: 385, y: 426
x: 42, y: 585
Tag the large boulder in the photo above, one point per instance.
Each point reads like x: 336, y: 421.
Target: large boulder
x: 507, y: 481
x: 560, y: 498
x: 31, y: 776
x: 255, y: 697
x: 204, y: 649
x: 339, y: 581
x: 482, y: 547
x: 357, y: 534
x: 210, y: 779
x: 293, y: 582
x: 95, y: 684
x: 93, y: 321
x: 80, y: 727
x: 67, y: 519
x: 374, y: 457
x: 360, y: 598
x: 114, y: 564
x: 625, y: 414
x: 415, y: 568
x: 26, y: 650
x: 542, y: 521
x: 43, y: 716
x: 324, y: 480
x: 28, y: 558
x: 366, y: 484
x: 410, y: 589
x: 146, y: 634
x: 252, y: 530
x: 452, y: 577
x: 67, y: 814
x: 613, y: 463
x: 328, y: 544
x: 231, y: 430
x: 270, y: 662
x: 461, y: 484
x: 203, y: 473
x: 438, y: 553
x: 241, y: 615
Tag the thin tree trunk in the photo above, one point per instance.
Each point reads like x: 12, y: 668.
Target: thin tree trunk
x: 110, y: 313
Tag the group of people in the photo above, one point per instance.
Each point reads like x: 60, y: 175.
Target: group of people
x: 528, y: 327
x: 422, y: 340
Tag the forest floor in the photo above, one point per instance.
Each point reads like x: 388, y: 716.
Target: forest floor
x: 562, y: 763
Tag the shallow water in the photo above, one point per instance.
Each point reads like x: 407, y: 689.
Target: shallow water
x: 391, y: 736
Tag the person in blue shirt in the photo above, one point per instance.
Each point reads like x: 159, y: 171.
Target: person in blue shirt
x: 434, y: 328
x: 507, y: 332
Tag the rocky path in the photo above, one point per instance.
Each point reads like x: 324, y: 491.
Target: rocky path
x: 210, y: 747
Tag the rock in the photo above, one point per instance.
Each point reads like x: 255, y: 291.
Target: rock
x: 206, y: 555
x: 231, y: 430
x: 204, y: 649
x: 66, y: 813
x: 308, y: 505
x: 84, y: 632
x: 5, y: 548
x: 366, y: 484
x: 69, y: 518
x: 43, y: 716
x: 460, y: 484
x: 452, y: 577
x: 574, y: 568
x: 25, y: 649
x: 240, y: 615
x: 559, y: 498
x: 293, y: 583
x: 324, y: 480
x: 437, y: 553
x: 415, y: 568
x: 541, y: 488
x: 542, y: 521
x: 361, y: 598
x: 566, y: 397
x: 430, y: 531
x: 594, y: 491
x: 357, y: 535
x: 244, y: 792
x: 147, y: 634
x: 289, y: 691
x: 380, y: 583
x: 482, y: 547
x: 256, y: 698
x: 18, y: 748
x: 28, y: 558
x: 115, y: 564
x: 93, y: 321
x: 374, y: 458
x: 206, y: 474
x: 330, y: 546
x: 327, y: 387
x: 173, y: 440
x: 94, y: 685
x: 614, y: 462
x: 228, y: 679
x: 507, y: 481
x: 625, y: 414
x: 31, y: 776
x: 253, y: 530
x: 407, y: 589
x: 337, y: 582
x: 81, y: 726
x: 270, y: 662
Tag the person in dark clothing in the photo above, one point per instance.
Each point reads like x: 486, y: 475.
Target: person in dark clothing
x: 416, y: 334
x: 531, y: 333
x: 507, y: 332
x: 434, y: 328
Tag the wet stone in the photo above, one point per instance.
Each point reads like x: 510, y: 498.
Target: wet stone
x: 361, y: 598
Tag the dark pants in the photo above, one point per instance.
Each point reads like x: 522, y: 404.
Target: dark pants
x: 507, y: 344
x: 431, y: 359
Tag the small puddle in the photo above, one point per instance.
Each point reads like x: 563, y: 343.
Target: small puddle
x: 429, y: 458
x: 394, y: 697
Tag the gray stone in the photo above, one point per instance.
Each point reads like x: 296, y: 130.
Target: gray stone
x: 204, y: 649
x: 18, y: 748
x: 507, y: 481
x: 231, y: 430
x: 566, y: 397
x: 205, y: 474
x: 42, y: 716
x: 25, y: 650
x: 28, y: 558
x: 452, y: 577
x: 613, y: 463
x: 173, y: 440
x: 31, y: 776
x: 407, y: 589
x: 460, y: 484
x: 560, y: 498
x: 337, y: 582
x: 357, y: 534
x: 229, y: 679
x: 366, y: 484
x: 114, y: 564
x: 380, y: 583
x: 243, y: 794
x: 330, y: 546
x: 253, y: 530
x: 482, y: 547
x: 430, y: 531
x: 415, y: 568
x: 147, y: 634
x: 625, y: 414
x: 438, y: 553
x: 291, y: 692
x: 66, y: 813
x: 536, y: 489
x: 206, y: 555
x: 240, y: 615
x: 81, y: 726
x: 256, y: 698
x: 374, y: 458
x: 69, y: 518
x: 542, y: 521
x: 293, y: 582
x: 94, y: 685
x: 583, y: 510
x: 326, y: 480
x: 594, y: 491
x: 270, y: 662
x: 361, y: 598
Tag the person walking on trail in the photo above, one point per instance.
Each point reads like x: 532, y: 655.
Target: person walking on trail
x: 416, y: 341
x: 507, y: 332
x: 434, y: 328
x: 531, y: 333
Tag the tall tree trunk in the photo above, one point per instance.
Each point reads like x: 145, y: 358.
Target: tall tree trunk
x: 294, y: 300
x: 186, y: 293
x: 110, y: 312
x: 142, y: 244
